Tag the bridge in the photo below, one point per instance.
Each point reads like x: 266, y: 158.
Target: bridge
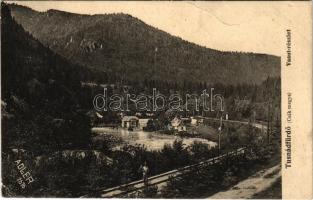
x: 161, y: 179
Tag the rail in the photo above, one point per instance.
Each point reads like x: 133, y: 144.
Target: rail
x: 161, y: 178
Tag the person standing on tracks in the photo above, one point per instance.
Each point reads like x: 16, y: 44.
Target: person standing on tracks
x: 145, y: 171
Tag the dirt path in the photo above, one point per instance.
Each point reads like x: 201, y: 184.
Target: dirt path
x: 254, y: 184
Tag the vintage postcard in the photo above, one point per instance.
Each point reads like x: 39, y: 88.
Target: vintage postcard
x: 156, y: 99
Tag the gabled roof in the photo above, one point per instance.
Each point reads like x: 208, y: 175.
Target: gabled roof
x: 128, y: 118
x: 146, y: 120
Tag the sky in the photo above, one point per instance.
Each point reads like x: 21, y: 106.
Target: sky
x: 228, y: 26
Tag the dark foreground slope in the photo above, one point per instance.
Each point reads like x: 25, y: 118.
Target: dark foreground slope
x: 127, y: 48
x: 40, y: 92
x: 41, y: 119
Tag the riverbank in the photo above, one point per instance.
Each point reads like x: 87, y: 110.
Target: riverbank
x: 153, y: 141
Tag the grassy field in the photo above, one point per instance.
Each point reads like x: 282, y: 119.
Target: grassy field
x: 206, y: 132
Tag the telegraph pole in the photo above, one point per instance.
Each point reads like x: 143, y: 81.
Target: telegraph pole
x: 268, y: 122
x: 155, y: 57
x: 219, y: 135
x: 254, y: 114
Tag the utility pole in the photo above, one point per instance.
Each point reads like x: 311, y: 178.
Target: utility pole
x: 227, y: 124
x: 271, y: 121
x: 155, y: 57
x: 253, y: 119
x: 219, y: 135
x: 268, y: 122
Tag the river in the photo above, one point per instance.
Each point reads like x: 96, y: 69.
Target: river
x: 151, y: 140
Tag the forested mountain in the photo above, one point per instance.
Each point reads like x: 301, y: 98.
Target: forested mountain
x: 127, y: 49
x: 40, y: 90
x: 45, y: 98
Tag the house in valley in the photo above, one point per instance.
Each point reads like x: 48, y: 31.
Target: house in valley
x: 146, y: 124
x: 178, y: 124
x: 194, y: 121
x: 130, y: 122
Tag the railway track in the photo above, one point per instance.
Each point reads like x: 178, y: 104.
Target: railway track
x: 162, y: 178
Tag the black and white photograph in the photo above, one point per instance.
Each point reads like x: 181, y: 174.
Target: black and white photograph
x: 104, y: 99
